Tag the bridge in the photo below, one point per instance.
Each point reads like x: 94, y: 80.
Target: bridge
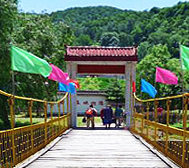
x: 148, y: 139
x: 97, y: 148
x: 53, y: 144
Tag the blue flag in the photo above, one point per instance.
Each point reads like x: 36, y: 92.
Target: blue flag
x: 148, y: 88
x: 67, y: 88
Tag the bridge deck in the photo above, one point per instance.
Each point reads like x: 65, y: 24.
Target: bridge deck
x: 98, y: 148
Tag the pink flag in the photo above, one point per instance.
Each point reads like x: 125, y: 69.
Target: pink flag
x: 166, y: 77
x: 58, y: 75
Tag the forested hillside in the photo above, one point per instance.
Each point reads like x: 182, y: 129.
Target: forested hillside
x: 108, y: 26
x: 156, y: 32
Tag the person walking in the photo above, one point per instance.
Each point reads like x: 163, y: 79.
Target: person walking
x: 107, y: 116
x: 90, y: 113
x: 118, y: 115
x: 102, y: 115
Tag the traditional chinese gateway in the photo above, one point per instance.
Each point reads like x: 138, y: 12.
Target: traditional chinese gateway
x: 92, y: 60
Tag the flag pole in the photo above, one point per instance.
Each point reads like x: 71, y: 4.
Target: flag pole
x: 56, y: 86
x: 13, y: 83
x: 13, y: 76
x: 182, y: 72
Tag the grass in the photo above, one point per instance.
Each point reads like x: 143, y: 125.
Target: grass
x: 34, y: 120
x: 20, y: 122
x: 179, y: 125
x: 23, y: 121
x: 98, y: 121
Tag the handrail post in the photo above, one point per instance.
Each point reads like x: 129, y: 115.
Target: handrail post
x: 11, y: 104
x: 142, y: 129
x: 51, y: 111
x: 67, y: 100
x: 147, y: 117
x: 184, y: 132
x: 70, y: 121
x: 67, y: 111
x: 63, y: 113
x: 30, y: 105
x: 155, y: 119
x: 58, y: 109
x: 51, y: 106
x: 168, y: 103
x: 45, y: 120
x: 134, y: 112
x: 63, y: 110
x: 59, y: 116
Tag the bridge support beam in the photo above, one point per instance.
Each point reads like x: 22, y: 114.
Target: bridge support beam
x: 72, y: 71
x: 130, y: 73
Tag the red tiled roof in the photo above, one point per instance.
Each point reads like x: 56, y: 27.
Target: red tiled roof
x: 86, y: 53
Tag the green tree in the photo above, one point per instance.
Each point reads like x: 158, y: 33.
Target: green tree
x: 143, y: 50
x: 158, y: 37
x: 8, y: 16
x: 137, y: 34
x: 45, y: 39
x: 157, y: 26
x: 83, y: 40
x: 109, y: 39
x: 125, y: 40
x: 174, y: 66
x: 90, y: 83
x: 159, y: 56
x: 115, y: 91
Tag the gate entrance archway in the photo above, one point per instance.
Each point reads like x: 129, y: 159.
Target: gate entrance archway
x: 90, y: 60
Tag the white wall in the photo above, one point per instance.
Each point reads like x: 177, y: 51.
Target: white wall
x: 83, y: 102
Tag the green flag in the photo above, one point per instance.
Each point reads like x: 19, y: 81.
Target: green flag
x: 24, y: 61
x: 184, y: 57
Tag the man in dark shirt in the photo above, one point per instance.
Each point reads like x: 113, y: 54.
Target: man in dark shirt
x: 118, y: 115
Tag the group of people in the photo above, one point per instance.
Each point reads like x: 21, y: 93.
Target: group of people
x: 106, y: 114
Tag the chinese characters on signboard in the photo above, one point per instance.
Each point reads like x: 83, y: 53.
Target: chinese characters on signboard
x: 101, y: 103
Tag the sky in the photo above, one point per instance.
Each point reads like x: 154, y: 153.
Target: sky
x: 49, y: 6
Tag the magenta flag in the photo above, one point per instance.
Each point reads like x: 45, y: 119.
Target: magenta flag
x: 58, y: 75
x: 166, y: 77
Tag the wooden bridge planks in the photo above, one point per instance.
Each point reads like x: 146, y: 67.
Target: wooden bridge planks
x: 99, y: 148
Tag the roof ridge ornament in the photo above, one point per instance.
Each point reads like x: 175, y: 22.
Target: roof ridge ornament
x: 101, y: 53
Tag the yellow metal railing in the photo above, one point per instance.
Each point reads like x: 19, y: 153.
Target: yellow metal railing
x: 18, y: 144
x: 157, y: 128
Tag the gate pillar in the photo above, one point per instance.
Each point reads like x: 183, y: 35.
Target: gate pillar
x: 130, y: 73
x: 72, y: 71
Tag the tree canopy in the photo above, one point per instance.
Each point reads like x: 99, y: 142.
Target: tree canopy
x: 8, y: 15
x: 156, y: 32
x: 111, y: 26
x: 36, y: 34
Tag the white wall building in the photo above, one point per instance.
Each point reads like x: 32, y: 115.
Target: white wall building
x: 84, y: 100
